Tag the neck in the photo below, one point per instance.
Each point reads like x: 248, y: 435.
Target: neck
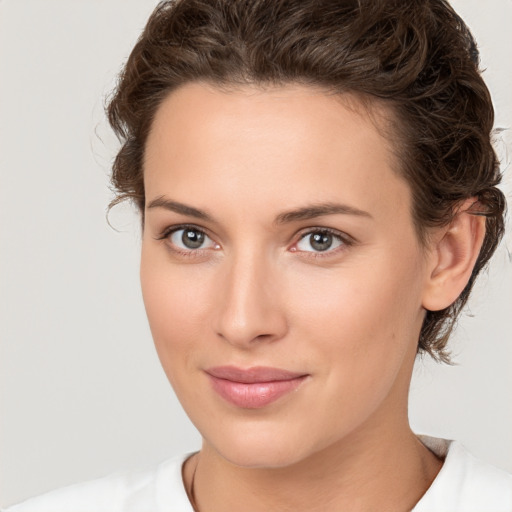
x: 375, y: 468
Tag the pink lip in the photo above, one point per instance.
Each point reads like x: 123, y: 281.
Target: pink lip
x: 254, y: 387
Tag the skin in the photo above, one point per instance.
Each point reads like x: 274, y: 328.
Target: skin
x: 257, y: 293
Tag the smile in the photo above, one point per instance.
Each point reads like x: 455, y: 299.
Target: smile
x: 255, y: 387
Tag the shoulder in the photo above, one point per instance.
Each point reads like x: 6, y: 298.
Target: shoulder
x: 465, y: 483
x: 160, y: 488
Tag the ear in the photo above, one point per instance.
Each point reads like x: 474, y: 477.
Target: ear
x: 452, y: 256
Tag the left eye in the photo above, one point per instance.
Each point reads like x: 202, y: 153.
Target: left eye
x: 190, y: 239
x: 319, y: 241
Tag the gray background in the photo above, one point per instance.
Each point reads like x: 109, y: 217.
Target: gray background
x: 81, y: 390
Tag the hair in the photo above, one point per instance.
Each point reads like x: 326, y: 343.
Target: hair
x: 417, y: 57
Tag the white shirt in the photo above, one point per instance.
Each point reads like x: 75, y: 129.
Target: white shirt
x: 464, y: 484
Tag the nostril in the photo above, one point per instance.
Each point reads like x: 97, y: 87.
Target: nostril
x: 247, y: 335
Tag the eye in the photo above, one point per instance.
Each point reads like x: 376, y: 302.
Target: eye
x: 319, y: 241
x: 189, y: 239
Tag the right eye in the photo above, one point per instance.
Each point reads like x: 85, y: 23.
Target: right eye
x: 188, y: 239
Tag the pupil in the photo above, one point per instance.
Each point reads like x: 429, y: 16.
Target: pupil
x: 321, y: 241
x: 192, y: 239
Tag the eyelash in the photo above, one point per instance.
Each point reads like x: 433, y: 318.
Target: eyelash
x: 191, y: 253
x: 346, y: 241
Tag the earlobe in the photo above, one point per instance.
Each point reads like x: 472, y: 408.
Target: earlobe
x: 453, y: 257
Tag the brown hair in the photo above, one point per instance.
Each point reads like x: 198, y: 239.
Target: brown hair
x: 416, y: 56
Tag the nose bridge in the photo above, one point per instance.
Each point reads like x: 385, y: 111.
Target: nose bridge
x: 249, y: 308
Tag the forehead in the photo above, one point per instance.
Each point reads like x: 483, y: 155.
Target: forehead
x: 286, y: 144
x: 302, y: 106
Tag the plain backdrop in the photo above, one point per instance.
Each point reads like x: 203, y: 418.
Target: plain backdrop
x: 81, y: 390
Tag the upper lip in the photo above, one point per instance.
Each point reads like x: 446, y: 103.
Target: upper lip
x: 253, y: 374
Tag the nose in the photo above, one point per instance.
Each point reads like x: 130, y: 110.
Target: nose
x: 249, y: 308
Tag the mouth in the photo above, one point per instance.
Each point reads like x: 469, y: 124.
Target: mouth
x: 255, y: 387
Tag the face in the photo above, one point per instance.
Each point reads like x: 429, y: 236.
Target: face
x: 281, y: 272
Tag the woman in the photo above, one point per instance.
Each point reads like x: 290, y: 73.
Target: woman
x: 318, y: 194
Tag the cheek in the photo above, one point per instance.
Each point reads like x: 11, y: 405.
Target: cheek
x: 360, y: 300
x: 175, y: 307
x: 359, y: 333
x: 363, y: 318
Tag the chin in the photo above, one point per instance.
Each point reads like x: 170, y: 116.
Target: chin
x: 261, y: 448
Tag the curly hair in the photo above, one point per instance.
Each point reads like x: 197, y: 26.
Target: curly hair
x: 415, y: 56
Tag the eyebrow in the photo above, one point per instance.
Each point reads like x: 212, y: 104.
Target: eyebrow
x: 183, y: 209
x: 319, y: 210
x: 298, y: 214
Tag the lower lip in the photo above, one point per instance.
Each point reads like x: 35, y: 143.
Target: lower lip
x: 254, y: 395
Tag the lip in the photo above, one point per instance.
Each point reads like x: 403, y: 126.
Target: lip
x: 253, y: 388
